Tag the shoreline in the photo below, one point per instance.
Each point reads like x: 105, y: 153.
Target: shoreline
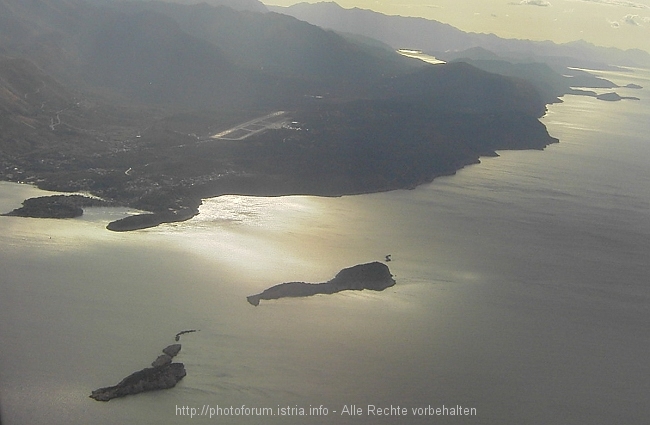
x: 152, y: 219
x: 189, y: 210
x: 346, y: 149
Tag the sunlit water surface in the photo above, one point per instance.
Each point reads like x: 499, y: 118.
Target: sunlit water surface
x: 522, y: 291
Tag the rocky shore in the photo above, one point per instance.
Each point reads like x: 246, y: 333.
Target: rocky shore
x: 374, y: 276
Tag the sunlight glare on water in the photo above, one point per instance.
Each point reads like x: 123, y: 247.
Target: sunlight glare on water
x: 522, y: 290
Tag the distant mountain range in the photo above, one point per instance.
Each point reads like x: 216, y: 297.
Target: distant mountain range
x: 250, y: 5
x: 437, y: 38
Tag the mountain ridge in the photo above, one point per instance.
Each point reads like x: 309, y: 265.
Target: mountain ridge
x: 434, y: 37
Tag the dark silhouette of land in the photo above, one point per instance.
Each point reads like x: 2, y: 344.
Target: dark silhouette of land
x: 372, y: 276
x: 162, y: 375
x: 56, y: 206
x: 119, y: 99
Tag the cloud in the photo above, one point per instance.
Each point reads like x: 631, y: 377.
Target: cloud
x: 531, y: 3
x: 624, y: 3
x: 632, y: 20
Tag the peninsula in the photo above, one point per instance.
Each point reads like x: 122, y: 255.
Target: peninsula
x: 373, y: 276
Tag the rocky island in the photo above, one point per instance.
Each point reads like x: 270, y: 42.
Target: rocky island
x: 162, y: 374
x: 374, y: 276
x: 148, y: 379
x: 614, y: 97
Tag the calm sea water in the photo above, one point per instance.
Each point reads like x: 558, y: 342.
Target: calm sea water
x: 523, y: 292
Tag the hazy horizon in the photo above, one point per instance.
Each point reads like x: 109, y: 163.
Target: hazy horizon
x: 609, y: 23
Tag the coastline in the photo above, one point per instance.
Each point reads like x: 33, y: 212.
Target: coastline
x: 188, y: 207
x: 152, y: 219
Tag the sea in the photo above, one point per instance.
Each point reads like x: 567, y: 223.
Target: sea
x: 522, y: 296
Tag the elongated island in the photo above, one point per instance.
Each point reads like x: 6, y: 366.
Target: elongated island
x: 374, y: 276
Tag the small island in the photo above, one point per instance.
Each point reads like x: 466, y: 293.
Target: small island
x: 148, y: 379
x: 57, y: 206
x: 162, y: 374
x: 614, y: 97
x: 374, y: 276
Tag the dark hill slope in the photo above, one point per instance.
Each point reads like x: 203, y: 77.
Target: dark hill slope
x: 149, y: 57
x: 195, y: 56
x: 280, y: 45
x: 49, y: 129
x: 26, y: 90
x: 250, y: 5
x: 460, y: 87
x: 551, y: 81
x: 29, y: 102
x: 49, y: 33
x: 144, y: 56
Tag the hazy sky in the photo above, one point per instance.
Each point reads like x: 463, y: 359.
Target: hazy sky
x: 618, y: 23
